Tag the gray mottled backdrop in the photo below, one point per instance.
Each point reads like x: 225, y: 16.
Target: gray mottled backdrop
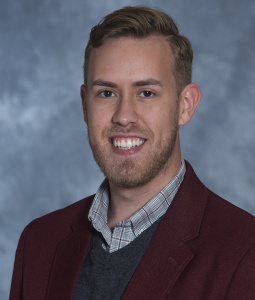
x: 45, y: 161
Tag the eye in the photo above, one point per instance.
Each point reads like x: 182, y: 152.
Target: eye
x: 107, y: 94
x: 147, y: 94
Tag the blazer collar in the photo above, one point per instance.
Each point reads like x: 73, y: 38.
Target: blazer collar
x: 187, y: 209
x: 168, y: 253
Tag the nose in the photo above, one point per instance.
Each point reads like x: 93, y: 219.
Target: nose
x: 125, y: 113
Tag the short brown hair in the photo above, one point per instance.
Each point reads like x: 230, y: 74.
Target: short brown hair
x: 141, y: 22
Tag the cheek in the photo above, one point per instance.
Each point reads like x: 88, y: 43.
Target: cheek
x: 97, y: 122
x: 97, y: 117
x: 101, y: 112
x: 163, y: 124
x: 158, y: 118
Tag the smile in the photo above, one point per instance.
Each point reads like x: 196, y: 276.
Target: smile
x: 127, y: 143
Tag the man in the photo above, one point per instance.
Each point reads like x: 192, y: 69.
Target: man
x: 153, y: 230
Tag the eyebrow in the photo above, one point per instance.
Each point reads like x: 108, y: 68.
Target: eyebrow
x: 149, y: 81
x: 100, y: 82
x: 145, y: 82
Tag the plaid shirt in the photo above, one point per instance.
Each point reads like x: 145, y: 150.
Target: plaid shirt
x: 126, y: 231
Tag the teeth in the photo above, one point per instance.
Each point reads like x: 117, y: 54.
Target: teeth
x: 127, y: 143
x: 123, y: 144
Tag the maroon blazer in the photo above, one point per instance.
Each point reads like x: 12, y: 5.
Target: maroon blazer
x: 204, y: 248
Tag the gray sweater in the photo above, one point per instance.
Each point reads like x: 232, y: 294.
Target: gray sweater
x: 106, y: 275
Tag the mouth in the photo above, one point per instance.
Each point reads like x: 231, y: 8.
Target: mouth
x: 127, y: 143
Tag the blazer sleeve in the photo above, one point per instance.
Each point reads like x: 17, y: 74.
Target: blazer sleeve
x: 242, y: 285
x: 17, y: 276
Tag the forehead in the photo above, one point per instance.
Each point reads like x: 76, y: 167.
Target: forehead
x: 130, y: 58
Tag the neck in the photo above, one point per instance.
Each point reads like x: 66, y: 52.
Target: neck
x: 125, y: 201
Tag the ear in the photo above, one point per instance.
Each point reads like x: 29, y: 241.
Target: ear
x: 188, y: 101
x: 83, y: 99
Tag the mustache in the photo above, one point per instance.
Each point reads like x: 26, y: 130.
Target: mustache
x: 131, y: 129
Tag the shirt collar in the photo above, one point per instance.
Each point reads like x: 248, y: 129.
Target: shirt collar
x: 141, y: 219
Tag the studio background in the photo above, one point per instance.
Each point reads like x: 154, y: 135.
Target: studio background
x: 45, y: 160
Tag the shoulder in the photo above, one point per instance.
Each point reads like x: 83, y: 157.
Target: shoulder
x: 229, y: 219
x: 219, y: 223
x: 38, y: 244
x: 227, y: 234
x: 219, y: 214
x: 233, y: 234
x: 57, y: 224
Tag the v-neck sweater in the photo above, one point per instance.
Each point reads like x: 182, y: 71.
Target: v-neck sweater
x: 105, y: 275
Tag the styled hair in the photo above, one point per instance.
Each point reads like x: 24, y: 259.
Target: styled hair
x: 142, y: 22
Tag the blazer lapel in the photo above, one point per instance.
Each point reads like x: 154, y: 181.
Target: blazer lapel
x: 159, y: 268
x: 68, y: 261
x: 168, y: 253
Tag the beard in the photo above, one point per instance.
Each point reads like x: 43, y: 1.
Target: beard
x: 128, y: 172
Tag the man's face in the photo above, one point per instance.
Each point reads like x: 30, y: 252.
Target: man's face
x: 131, y: 109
